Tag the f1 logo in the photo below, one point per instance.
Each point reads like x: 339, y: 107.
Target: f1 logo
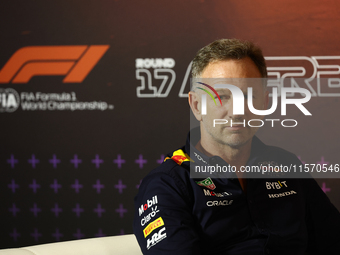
x: 76, y: 62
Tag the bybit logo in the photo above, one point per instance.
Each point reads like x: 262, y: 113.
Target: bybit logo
x: 75, y: 62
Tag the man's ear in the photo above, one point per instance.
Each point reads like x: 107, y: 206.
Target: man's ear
x: 195, y: 104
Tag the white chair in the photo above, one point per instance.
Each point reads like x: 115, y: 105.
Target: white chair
x: 112, y: 245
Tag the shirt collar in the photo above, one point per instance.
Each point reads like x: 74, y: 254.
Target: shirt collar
x: 257, y: 148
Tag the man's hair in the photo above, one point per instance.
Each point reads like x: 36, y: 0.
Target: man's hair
x: 226, y: 49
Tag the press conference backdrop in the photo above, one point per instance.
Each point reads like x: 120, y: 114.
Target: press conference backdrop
x: 93, y: 95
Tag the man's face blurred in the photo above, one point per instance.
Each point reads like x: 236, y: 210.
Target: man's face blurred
x: 237, y: 135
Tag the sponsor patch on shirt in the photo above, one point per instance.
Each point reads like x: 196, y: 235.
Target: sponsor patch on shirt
x: 149, y: 203
x: 152, y: 226
x: 200, y: 158
x: 209, y: 193
x: 208, y: 183
x: 148, y: 217
x: 283, y: 194
x: 276, y: 185
x: 156, y: 238
x: 179, y: 157
x: 219, y: 203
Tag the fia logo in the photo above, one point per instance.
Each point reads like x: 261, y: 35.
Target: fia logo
x: 9, y: 100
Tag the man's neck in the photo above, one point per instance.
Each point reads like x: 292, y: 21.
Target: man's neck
x: 233, y: 156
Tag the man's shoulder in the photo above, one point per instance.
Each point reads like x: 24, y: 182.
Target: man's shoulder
x: 175, y: 161
x: 277, y: 153
x: 170, y: 177
x: 278, y: 150
x: 176, y: 165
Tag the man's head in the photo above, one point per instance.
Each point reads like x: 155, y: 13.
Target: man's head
x: 227, y: 49
x: 228, y: 60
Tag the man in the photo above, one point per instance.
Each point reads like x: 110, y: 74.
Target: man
x: 229, y: 213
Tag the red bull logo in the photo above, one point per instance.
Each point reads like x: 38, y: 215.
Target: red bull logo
x: 179, y: 157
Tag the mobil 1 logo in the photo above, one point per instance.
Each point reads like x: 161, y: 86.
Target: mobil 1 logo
x: 9, y: 100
